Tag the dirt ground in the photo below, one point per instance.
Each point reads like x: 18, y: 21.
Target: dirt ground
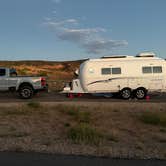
x: 120, y: 129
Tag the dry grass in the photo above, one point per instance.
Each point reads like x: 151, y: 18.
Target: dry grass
x: 105, y: 129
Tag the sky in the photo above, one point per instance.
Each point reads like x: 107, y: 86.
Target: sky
x: 76, y: 29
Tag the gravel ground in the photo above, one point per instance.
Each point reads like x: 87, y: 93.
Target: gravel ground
x: 44, y: 128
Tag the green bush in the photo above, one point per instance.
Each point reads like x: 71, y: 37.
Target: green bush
x: 83, y: 133
x: 157, y: 118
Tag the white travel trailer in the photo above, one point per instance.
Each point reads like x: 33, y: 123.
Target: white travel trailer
x: 127, y: 75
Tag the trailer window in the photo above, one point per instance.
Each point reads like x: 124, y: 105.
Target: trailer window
x: 157, y: 69
x: 2, y: 72
x: 116, y: 70
x: 147, y: 70
x: 105, y: 71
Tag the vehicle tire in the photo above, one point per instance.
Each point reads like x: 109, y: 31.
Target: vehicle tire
x: 26, y: 92
x: 126, y: 93
x: 140, y: 93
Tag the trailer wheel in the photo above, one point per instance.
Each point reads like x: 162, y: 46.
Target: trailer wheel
x: 26, y: 92
x: 140, y: 93
x: 125, y: 93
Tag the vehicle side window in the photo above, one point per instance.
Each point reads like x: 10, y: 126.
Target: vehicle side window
x: 147, y: 70
x: 116, y: 70
x: 13, y: 73
x: 157, y: 69
x: 105, y: 71
x: 2, y: 72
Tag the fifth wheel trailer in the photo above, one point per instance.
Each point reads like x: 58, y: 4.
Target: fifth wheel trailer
x: 127, y: 75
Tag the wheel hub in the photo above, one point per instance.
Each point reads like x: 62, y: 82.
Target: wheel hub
x: 126, y: 93
x: 140, y: 93
x: 26, y: 92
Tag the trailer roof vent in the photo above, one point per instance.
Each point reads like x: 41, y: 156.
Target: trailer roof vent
x: 146, y: 54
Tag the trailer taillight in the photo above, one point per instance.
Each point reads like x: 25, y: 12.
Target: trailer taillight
x: 43, y: 81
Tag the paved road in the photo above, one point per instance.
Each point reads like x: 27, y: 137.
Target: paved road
x: 34, y: 159
x: 54, y: 96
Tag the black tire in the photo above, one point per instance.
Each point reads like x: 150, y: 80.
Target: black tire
x: 26, y: 92
x: 126, y: 93
x: 140, y: 93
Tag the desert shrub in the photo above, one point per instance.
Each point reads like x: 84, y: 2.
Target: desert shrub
x: 84, y: 117
x: 157, y: 118
x: 78, y: 113
x: 33, y: 104
x: 163, y: 130
x: 67, y: 124
x: 23, y: 71
x: 42, y: 73
x: 83, y: 133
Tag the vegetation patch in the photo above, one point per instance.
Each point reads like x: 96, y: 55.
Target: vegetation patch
x: 163, y: 130
x: 154, y: 118
x: 23, y: 71
x: 111, y: 137
x: 27, y: 109
x: 85, y: 134
x: 11, y: 132
x: 42, y: 73
x: 16, y: 111
x: 33, y: 104
x: 78, y: 113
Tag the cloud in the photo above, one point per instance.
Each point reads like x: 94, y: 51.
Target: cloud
x: 60, y: 24
x: 90, y: 39
x: 103, y: 45
x: 54, y: 11
x: 47, y: 18
x: 79, y: 35
x: 56, y: 1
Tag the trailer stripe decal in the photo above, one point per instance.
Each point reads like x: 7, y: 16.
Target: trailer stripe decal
x: 108, y: 80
